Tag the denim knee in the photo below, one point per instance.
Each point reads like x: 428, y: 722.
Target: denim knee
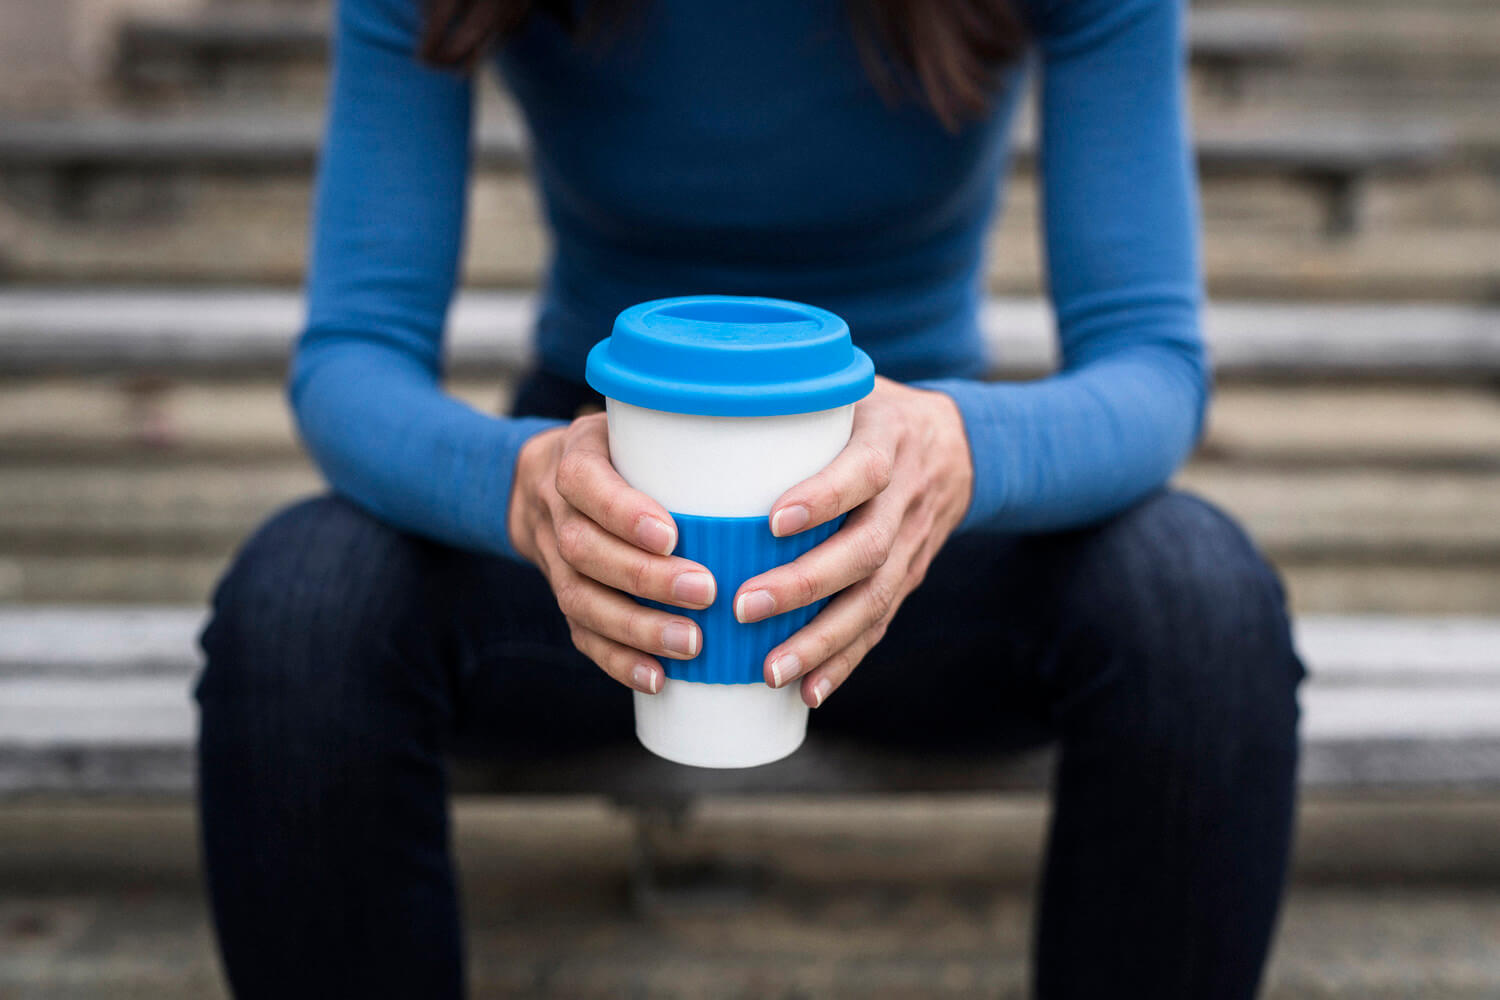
x: 1174, y: 612
x: 308, y: 616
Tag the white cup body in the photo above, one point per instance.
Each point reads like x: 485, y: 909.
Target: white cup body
x: 721, y: 467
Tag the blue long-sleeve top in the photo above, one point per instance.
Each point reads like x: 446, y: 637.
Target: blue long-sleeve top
x: 740, y: 148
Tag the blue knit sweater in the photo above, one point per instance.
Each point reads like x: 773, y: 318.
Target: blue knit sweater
x: 738, y: 147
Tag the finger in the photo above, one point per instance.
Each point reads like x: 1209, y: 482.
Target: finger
x: 838, y: 625
x: 613, y: 615
x: 587, y: 480
x: 819, y: 683
x: 829, y: 676
x: 628, y: 666
x: 597, y: 554
x: 859, y: 472
x: 854, y: 552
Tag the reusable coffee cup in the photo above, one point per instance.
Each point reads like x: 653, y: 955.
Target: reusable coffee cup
x: 716, y: 406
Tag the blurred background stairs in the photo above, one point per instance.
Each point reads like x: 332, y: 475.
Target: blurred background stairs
x: 1351, y: 154
x: 151, y: 242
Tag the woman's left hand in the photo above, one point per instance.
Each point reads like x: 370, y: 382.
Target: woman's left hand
x: 907, y: 477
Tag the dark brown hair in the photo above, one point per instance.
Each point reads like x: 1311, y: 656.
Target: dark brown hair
x: 945, y: 52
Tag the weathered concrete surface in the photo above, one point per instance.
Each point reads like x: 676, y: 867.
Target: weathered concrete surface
x: 892, y: 898
x: 84, y: 531
x: 107, y: 419
x: 97, y: 701
x: 1262, y: 238
x: 1394, y: 586
x: 1342, y: 512
x: 179, y: 332
x: 1371, y: 494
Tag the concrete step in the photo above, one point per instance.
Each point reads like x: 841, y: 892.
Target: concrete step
x: 1433, y: 40
x: 233, y: 232
x: 234, y: 53
x: 250, y: 330
x: 244, y: 51
x: 1359, y: 513
x: 1426, y: 714
x: 146, y: 435
x: 877, y: 941
x: 111, y: 420
x: 241, y: 49
x: 280, y: 141
x: 895, y: 898
x: 1398, y: 585
x: 1431, y: 244
x: 201, y: 197
x: 162, y: 577
x: 1374, y: 586
x: 230, y: 53
x: 1342, y: 517
x: 517, y: 843
x: 1355, y: 7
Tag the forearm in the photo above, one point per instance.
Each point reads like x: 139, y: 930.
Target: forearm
x: 386, y: 436
x: 1120, y: 220
x: 1077, y: 447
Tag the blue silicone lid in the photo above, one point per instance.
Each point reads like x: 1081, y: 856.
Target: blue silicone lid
x: 730, y: 356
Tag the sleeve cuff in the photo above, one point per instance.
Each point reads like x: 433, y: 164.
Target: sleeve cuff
x: 519, y: 430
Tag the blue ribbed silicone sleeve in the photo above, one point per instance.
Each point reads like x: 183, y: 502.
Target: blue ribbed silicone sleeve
x: 734, y: 549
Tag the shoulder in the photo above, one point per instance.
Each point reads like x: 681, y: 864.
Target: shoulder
x: 384, y: 22
x: 1081, y: 23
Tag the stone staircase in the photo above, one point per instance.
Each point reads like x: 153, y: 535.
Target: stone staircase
x: 147, y: 434
x: 917, y: 899
x: 150, y: 247
x: 149, y: 252
x: 197, y: 169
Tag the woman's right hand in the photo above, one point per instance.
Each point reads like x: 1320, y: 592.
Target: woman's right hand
x: 598, y: 542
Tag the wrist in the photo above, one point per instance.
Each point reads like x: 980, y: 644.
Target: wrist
x: 533, y: 463
x: 949, y: 443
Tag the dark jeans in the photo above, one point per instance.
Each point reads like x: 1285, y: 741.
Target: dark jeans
x: 345, y: 660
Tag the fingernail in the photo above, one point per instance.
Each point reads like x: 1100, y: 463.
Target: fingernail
x: 820, y: 691
x: 693, y: 587
x: 754, y: 606
x: 656, y: 536
x: 645, y: 679
x: 789, y: 520
x: 783, y: 667
x: 680, y: 637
